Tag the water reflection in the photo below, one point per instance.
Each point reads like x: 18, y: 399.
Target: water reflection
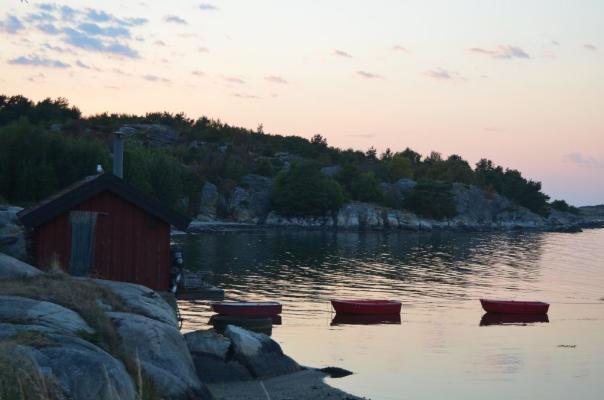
x: 439, y: 278
x: 261, y: 324
x: 313, y: 265
x: 512, y: 319
x: 344, y: 319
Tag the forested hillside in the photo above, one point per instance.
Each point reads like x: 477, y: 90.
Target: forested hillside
x: 44, y: 146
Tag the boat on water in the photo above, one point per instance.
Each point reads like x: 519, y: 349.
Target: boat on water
x: 514, y: 307
x: 363, y: 307
x: 247, y: 309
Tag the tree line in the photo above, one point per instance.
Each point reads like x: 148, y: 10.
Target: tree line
x: 46, y: 145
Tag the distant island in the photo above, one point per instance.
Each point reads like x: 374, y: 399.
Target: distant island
x: 215, y: 172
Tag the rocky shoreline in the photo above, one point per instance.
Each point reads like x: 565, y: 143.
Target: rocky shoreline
x: 248, y: 207
x: 63, y: 337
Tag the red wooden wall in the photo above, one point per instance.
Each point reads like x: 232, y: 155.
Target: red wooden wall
x: 130, y: 244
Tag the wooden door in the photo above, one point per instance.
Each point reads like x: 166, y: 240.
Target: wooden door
x: 83, y: 227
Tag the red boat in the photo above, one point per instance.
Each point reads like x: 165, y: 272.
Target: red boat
x: 514, y: 307
x: 247, y: 309
x: 384, y: 307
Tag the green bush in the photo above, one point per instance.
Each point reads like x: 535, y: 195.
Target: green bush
x: 304, y: 191
x: 431, y: 199
x: 562, y: 205
x: 155, y: 172
x: 35, y: 163
x: 365, y: 187
x: 395, y: 167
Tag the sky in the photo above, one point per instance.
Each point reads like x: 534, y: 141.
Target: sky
x: 518, y: 82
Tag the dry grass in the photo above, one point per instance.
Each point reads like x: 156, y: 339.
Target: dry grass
x: 20, y: 376
x: 80, y: 295
x: 87, y: 299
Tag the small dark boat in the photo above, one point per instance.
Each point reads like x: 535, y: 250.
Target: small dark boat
x: 512, y: 319
x: 514, y: 307
x: 366, y: 319
x: 366, y: 306
x: 247, y: 309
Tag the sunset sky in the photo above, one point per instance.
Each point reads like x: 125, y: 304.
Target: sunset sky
x: 519, y: 82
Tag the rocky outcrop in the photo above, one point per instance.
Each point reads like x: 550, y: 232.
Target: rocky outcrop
x: 142, y: 300
x: 208, y: 204
x: 122, y: 343
x: 237, y: 355
x: 248, y: 203
x: 65, y: 364
x: 12, y: 268
x: 261, y: 355
x: 162, y: 353
x: 154, y: 135
x: 16, y: 309
x: 211, y: 353
x: 208, y: 343
x: 477, y: 211
x: 12, y: 235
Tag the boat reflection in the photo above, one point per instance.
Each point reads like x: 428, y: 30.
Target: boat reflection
x: 259, y: 325
x: 512, y: 319
x: 349, y: 319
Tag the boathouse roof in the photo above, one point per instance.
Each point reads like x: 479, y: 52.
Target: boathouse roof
x: 89, y: 187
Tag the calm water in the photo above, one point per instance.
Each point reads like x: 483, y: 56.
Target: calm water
x: 438, y: 350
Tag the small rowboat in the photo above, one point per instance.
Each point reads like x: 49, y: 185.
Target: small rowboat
x: 514, y: 307
x: 247, y: 309
x: 366, y: 306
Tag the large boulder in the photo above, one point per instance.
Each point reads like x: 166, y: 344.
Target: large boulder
x: 211, y: 356
x: 208, y: 342
x: 475, y: 206
x: 15, y: 309
x: 261, y: 355
x: 163, y: 354
x: 251, y: 201
x: 155, y: 135
x: 259, y: 198
x: 80, y: 369
x: 142, y: 300
x: 12, y: 268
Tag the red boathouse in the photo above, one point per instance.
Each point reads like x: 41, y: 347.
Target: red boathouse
x: 103, y: 227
